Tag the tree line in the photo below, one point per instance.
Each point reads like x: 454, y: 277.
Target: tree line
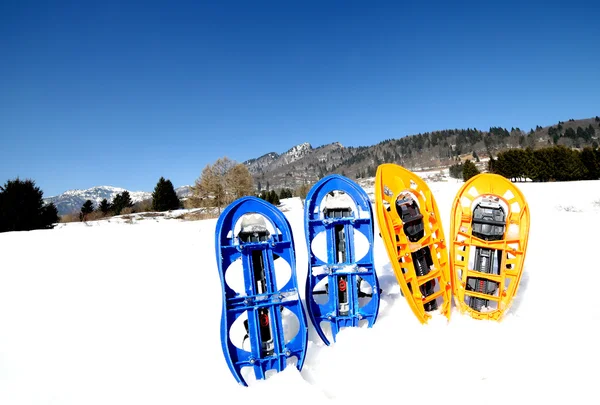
x: 22, y: 207
x: 555, y: 163
x: 164, y: 198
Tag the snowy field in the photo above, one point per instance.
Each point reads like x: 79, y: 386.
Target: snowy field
x: 129, y: 313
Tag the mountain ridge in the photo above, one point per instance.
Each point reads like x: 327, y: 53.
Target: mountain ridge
x: 423, y: 151
x: 71, y: 200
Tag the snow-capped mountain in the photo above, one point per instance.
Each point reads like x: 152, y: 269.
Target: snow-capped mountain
x: 71, y: 201
x: 297, y: 152
x: 183, y: 191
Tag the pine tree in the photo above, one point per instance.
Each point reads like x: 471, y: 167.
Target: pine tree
x: 22, y: 207
x: 591, y: 132
x: 273, y: 198
x: 104, y: 207
x: 164, y: 197
x: 121, y: 201
x: 285, y: 193
x: 86, y: 208
x: 592, y: 166
x: 456, y: 171
x: 469, y: 170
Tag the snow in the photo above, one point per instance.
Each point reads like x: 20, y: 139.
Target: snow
x: 296, y: 152
x: 97, y: 194
x: 128, y: 312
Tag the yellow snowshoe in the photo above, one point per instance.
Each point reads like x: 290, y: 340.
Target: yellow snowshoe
x: 489, y: 232
x: 411, y: 229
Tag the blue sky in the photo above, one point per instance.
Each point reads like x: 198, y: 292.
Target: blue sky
x: 103, y: 93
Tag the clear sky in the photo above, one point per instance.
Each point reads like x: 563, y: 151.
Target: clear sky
x: 103, y: 93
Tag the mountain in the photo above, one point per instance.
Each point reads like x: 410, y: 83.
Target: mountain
x: 183, y: 192
x: 299, y: 165
x: 72, y: 200
x: 304, y: 164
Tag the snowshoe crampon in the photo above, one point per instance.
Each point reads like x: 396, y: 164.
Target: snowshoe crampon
x: 263, y: 324
x: 411, y: 229
x: 342, y: 289
x: 489, y: 231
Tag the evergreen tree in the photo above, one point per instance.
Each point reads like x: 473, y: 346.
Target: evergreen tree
x: 456, y: 171
x: 285, y: 193
x: 592, y: 165
x: 86, y: 208
x: 512, y: 164
x: 121, y: 201
x: 590, y: 132
x: 544, y: 166
x: 469, y: 170
x: 567, y: 164
x: 104, y: 207
x: 273, y: 198
x: 22, y: 207
x: 164, y: 197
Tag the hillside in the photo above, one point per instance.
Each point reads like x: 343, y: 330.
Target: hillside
x: 305, y: 164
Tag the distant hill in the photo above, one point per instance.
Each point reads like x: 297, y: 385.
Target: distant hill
x: 305, y: 164
x: 183, y: 192
x: 72, y: 200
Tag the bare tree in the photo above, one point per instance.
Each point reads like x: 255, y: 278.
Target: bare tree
x: 221, y: 183
x: 239, y: 182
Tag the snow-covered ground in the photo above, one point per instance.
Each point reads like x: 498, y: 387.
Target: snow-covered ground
x: 128, y: 312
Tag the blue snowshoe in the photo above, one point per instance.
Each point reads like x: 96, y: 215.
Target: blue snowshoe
x: 263, y: 324
x: 342, y: 289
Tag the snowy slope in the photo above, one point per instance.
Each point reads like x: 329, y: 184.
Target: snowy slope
x: 130, y: 313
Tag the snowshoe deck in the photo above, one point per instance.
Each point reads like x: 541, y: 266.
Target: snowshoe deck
x: 411, y: 229
x: 342, y: 289
x: 256, y: 233
x: 489, y: 231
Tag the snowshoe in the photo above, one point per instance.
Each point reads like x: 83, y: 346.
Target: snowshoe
x: 342, y: 289
x: 489, y: 230
x: 263, y: 324
x: 411, y: 229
